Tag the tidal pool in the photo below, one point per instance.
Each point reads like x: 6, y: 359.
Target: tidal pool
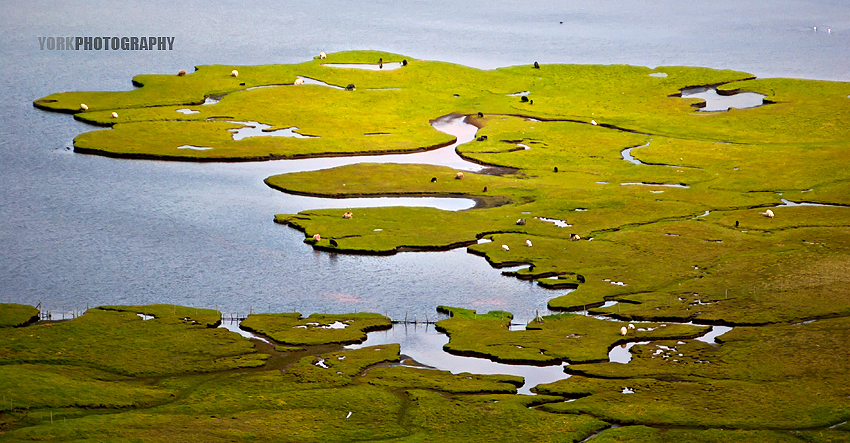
x: 716, y: 102
x: 424, y: 344
x: 233, y: 326
x: 257, y: 129
x: 716, y: 331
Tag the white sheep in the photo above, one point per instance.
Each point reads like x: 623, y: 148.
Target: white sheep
x: 181, y: 72
x: 528, y: 243
x: 299, y: 81
x: 114, y: 115
x: 322, y: 55
x: 234, y: 73
x: 84, y: 107
x: 624, y: 331
x: 505, y: 248
x: 631, y: 326
x: 317, y: 237
x: 348, y: 215
x: 459, y: 175
x: 769, y: 213
x: 593, y: 122
x: 575, y: 237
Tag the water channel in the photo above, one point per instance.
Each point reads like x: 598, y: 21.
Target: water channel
x: 85, y: 230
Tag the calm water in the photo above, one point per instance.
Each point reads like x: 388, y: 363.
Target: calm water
x: 79, y: 229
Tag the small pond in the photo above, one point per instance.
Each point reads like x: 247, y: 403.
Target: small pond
x: 716, y: 102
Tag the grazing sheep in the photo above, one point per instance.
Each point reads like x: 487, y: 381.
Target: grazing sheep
x: 317, y: 237
x: 322, y: 55
x: 769, y: 213
x: 624, y: 331
x: 181, y: 72
x: 524, y: 99
x: 631, y: 326
x: 348, y: 215
x: 536, y: 65
x: 84, y: 107
x: 433, y: 179
x: 556, y: 169
x: 299, y: 81
x: 482, y: 138
x: 333, y: 243
x: 528, y: 243
x: 485, y: 189
x: 114, y: 115
x: 459, y: 175
x: 350, y: 87
x: 520, y: 221
x: 575, y: 237
x: 593, y: 122
x: 480, y: 114
x: 404, y: 62
x: 580, y: 278
x: 234, y: 73
x: 505, y: 248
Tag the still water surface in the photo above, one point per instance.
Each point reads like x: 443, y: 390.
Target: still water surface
x: 78, y: 229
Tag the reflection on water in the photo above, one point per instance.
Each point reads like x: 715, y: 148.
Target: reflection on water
x: 715, y: 102
x: 716, y: 331
x: 257, y: 129
x: 622, y: 352
x: 425, y: 345
x: 233, y: 326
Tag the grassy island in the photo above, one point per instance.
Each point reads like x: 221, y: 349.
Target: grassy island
x: 650, y: 210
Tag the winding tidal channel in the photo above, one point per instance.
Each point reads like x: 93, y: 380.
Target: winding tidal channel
x: 421, y: 343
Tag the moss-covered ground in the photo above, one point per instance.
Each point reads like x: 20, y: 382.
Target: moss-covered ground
x: 683, y: 236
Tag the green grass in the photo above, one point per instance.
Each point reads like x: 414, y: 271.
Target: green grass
x: 566, y: 337
x: 317, y: 329
x: 16, y: 315
x: 120, y: 342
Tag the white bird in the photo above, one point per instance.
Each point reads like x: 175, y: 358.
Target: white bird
x: 505, y: 248
x: 624, y: 331
x: 299, y: 81
x: 347, y: 416
x: 234, y: 73
x: 528, y: 243
x: 769, y: 213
